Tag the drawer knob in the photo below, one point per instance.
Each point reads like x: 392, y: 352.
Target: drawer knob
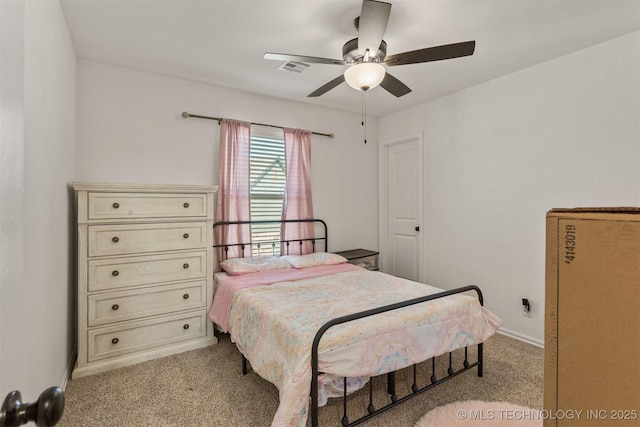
x: 114, y: 307
x: 185, y: 235
x: 115, y: 341
x: 115, y: 273
x: 115, y: 239
x: 186, y: 326
x: 186, y: 205
x: 185, y: 296
x: 116, y: 205
x: 185, y: 265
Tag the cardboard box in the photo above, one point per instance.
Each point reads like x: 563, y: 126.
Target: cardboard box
x: 592, y: 321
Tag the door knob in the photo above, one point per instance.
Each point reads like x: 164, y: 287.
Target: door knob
x: 417, y: 228
x: 46, y: 411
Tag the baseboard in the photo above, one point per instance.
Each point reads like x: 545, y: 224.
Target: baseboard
x: 70, y: 364
x: 521, y: 337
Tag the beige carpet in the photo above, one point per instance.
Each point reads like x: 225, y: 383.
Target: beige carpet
x: 206, y: 388
x: 475, y: 413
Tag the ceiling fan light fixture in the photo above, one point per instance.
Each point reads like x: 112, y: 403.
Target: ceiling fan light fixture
x: 364, y: 76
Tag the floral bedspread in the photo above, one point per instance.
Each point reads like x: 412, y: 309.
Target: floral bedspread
x: 274, y: 327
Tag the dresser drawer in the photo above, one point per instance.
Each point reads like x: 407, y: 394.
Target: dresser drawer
x: 149, y: 205
x: 133, y: 238
x: 128, y: 305
x: 146, y: 334
x: 116, y: 273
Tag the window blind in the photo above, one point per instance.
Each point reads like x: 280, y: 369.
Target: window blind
x: 267, y: 185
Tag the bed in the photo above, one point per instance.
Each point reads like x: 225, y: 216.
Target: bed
x: 317, y: 327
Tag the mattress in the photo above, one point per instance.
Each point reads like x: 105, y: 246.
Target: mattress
x: 217, y: 279
x: 273, y: 325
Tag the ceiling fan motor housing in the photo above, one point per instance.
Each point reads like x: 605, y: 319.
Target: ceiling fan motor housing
x: 351, y: 55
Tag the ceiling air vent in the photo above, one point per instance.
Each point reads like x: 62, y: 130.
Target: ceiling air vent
x: 294, y: 67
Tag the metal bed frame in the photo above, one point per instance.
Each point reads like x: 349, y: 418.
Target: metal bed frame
x: 391, y: 379
x: 273, y: 243
x: 394, y: 400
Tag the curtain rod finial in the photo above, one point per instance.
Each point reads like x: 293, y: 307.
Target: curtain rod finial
x: 185, y: 114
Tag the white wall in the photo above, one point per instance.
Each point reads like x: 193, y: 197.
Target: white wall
x: 11, y: 180
x: 499, y: 155
x: 130, y: 129
x: 37, y: 267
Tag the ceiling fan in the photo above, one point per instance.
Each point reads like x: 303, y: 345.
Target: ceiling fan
x: 365, y: 54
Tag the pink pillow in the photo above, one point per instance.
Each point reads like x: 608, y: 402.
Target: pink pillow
x: 315, y: 259
x: 238, y: 266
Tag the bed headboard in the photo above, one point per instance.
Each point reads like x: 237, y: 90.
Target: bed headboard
x: 269, y: 243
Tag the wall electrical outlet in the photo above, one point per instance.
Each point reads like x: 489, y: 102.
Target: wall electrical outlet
x: 526, y: 307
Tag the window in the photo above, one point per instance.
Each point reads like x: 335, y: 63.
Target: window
x: 267, y: 184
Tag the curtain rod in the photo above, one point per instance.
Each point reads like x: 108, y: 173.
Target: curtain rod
x: 218, y: 119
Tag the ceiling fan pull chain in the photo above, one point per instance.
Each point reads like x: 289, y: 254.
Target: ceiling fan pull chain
x: 364, y: 114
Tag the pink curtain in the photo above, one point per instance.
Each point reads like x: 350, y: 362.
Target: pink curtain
x: 233, y: 188
x: 297, y: 198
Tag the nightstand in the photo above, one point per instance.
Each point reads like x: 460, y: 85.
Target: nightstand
x: 362, y: 258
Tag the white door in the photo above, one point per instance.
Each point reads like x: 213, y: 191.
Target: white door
x: 401, y: 164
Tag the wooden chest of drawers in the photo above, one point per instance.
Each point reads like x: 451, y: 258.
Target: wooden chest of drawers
x: 145, y: 265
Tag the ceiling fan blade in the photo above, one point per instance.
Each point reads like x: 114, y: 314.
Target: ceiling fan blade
x: 436, y: 53
x: 302, y: 58
x: 394, y: 86
x: 372, y: 25
x: 327, y: 87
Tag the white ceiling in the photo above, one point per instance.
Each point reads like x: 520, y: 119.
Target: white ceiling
x: 223, y: 41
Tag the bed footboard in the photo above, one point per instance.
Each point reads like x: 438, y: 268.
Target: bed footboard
x: 391, y: 388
